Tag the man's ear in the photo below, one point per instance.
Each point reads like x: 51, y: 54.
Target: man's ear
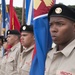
x: 74, y: 26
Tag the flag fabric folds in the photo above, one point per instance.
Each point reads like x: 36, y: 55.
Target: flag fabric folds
x: 7, y: 21
x: 29, y: 12
x: 11, y: 15
x: 3, y: 16
x: 14, y: 22
x: 42, y: 35
x: 9, y: 18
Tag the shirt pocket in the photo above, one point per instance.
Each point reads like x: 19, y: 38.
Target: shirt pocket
x: 10, y: 63
x: 26, y: 66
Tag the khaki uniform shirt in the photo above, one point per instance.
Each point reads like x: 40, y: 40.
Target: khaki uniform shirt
x: 25, y: 60
x: 9, y: 64
x: 0, y: 56
x: 3, y: 65
x: 61, y: 62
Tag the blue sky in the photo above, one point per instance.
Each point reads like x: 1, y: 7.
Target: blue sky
x: 19, y: 3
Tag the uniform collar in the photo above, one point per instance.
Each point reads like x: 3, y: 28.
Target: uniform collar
x: 69, y: 48
x: 15, y: 46
x: 51, y: 52
x: 30, y: 48
x: 66, y: 51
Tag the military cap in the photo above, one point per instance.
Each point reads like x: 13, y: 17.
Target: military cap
x: 5, y: 40
x: 14, y: 32
x: 1, y: 37
x: 26, y: 28
x: 62, y: 11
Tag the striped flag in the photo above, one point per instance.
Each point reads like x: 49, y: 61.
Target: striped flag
x: 36, y: 14
x: 29, y: 12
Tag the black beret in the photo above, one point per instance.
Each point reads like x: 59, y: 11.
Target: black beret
x: 5, y: 40
x: 26, y: 28
x: 1, y: 37
x: 62, y: 11
x: 14, y: 32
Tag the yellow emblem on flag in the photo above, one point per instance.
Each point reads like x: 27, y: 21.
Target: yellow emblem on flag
x: 37, y: 3
x: 48, y: 2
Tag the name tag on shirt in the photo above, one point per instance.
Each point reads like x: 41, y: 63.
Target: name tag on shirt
x: 63, y: 72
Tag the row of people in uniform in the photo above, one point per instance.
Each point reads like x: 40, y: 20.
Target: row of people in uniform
x: 17, y: 59
x: 59, y: 61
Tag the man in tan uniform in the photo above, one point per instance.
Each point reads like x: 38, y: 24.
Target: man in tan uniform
x: 1, y: 46
x: 27, y: 41
x: 61, y: 59
x: 9, y: 63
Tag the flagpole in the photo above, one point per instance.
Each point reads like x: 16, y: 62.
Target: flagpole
x: 0, y: 20
x: 23, y: 14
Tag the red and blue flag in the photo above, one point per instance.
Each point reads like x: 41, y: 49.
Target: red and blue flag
x: 43, y: 40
